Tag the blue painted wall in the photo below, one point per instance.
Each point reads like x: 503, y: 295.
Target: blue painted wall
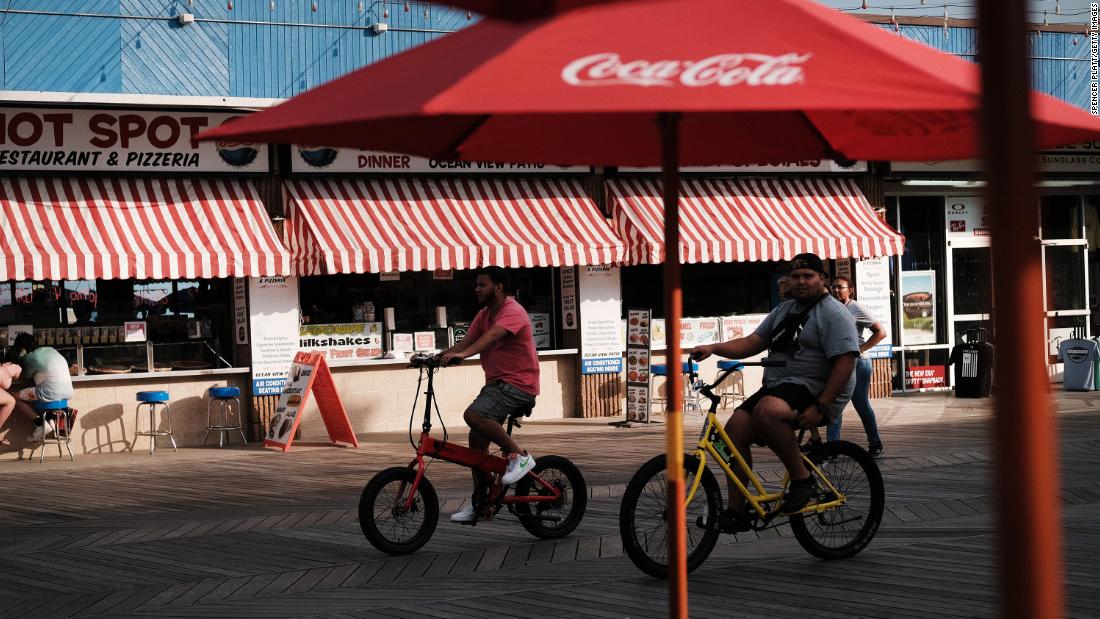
x: 122, y: 53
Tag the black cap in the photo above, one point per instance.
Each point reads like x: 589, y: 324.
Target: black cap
x: 807, y: 261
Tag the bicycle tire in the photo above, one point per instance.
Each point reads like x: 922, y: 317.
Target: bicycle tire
x: 563, y: 474
x: 381, y: 506
x: 643, y: 529
x: 855, y: 474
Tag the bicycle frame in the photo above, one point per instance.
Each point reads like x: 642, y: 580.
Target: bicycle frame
x: 491, y: 466
x: 758, y: 496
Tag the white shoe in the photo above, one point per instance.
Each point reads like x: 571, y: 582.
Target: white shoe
x: 466, y: 514
x: 519, y: 465
x: 41, y: 432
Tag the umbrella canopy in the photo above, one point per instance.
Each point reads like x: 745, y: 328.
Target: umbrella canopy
x: 754, y: 81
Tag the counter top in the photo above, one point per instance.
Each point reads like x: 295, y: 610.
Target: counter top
x: 88, y: 378
x: 379, y: 362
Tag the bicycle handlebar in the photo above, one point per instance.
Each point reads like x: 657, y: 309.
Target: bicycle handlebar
x: 706, y: 390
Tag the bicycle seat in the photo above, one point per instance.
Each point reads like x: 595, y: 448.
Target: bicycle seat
x: 730, y: 364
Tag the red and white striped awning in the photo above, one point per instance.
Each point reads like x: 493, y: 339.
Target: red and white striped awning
x: 112, y: 228
x: 752, y: 219
x: 360, y: 226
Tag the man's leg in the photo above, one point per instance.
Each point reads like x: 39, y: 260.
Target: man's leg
x: 491, y: 430
x: 861, y: 400
x: 7, y: 405
x: 25, y: 409
x: 479, y: 442
x: 772, y: 419
x: 833, y: 433
x: 739, y: 428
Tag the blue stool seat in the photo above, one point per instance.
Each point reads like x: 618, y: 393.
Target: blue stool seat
x: 225, y: 392
x: 152, y: 396
x: 56, y: 405
x: 658, y: 370
x: 694, y: 366
x: 730, y: 364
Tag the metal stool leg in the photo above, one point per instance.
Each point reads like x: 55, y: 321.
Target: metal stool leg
x: 137, y: 426
x: 168, y: 418
x: 209, y: 420
x: 152, y: 429
x: 240, y: 422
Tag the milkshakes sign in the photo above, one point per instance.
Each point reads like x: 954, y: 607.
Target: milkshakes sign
x: 724, y: 70
x: 66, y: 139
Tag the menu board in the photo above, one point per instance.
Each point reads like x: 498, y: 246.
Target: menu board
x: 540, y: 329
x: 309, y: 374
x: 638, y: 378
x: 344, y: 341
x: 424, y: 340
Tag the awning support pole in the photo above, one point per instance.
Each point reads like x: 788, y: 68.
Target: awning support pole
x: 1025, y: 454
x: 674, y: 440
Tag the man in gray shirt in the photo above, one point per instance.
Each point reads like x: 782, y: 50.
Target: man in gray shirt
x: 816, y: 337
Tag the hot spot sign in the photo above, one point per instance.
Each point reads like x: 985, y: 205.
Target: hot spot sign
x: 120, y: 140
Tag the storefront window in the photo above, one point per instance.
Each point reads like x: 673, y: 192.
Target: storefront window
x: 1061, y: 217
x: 416, y: 299
x: 190, y: 322
x: 973, y: 275
x: 922, y: 286
x: 712, y: 289
x: 1065, y: 267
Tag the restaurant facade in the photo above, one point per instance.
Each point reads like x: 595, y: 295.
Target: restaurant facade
x: 151, y: 261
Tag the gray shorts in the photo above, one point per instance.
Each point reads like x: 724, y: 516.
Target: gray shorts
x: 499, y: 399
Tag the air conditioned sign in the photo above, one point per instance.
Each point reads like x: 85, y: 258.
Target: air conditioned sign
x: 120, y: 141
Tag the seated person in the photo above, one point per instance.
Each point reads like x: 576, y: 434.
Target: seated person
x: 8, y: 373
x: 49, y: 372
x: 816, y: 336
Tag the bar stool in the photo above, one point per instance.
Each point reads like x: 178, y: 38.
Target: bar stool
x: 691, y: 397
x: 63, y: 418
x: 732, y: 390
x: 227, y: 398
x: 151, y: 400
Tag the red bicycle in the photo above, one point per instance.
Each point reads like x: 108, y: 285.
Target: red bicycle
x: 399, y: 508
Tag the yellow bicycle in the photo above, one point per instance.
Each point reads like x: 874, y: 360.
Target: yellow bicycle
x: 840, y: 521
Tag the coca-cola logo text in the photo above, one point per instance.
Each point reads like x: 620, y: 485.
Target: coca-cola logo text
x: 608, y: 69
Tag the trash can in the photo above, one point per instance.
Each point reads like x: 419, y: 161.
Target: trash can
x: 1079, y: 359
x: 1096, y: 368
x: 973, y: 374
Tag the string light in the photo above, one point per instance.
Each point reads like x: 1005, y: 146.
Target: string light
x: 406, y: 6
x: 469, y: 16
x: 894, y: 20
x: 1045, y: 22
x: 945, y: 31
x: 313, y: 6
x: 864, y: 5
x: 360, y: 6
x: 271, y: 5
x: 229, y: 5
x: 386, y: 12
x: 1057, y: 7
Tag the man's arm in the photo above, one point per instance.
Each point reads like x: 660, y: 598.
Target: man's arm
x: 877, y: 335
x: 740, y: 348
x: 481, y: 344
x: 839, y: 374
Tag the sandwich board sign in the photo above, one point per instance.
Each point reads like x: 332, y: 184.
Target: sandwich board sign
x: 309, y: 373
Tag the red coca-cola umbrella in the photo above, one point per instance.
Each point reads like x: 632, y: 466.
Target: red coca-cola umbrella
x: 668, y: 82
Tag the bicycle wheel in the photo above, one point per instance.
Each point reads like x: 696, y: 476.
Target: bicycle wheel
x: 643, y: 524
x: 558, y: 518
x: 844, y: 531
x: 382, y: 515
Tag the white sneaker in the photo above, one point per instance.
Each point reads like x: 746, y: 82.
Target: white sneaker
x: 466, y: 514
x: 41, y: 432
x: 519, y: 465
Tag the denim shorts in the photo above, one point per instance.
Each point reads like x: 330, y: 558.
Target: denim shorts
x: 499, y: 399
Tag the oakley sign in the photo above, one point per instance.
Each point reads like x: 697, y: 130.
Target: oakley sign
x: 609, y: 69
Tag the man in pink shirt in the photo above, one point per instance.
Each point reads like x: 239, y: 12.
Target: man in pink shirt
x: 501, y: 334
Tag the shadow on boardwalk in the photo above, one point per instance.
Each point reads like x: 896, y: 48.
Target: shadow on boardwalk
x: 244, y: 532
